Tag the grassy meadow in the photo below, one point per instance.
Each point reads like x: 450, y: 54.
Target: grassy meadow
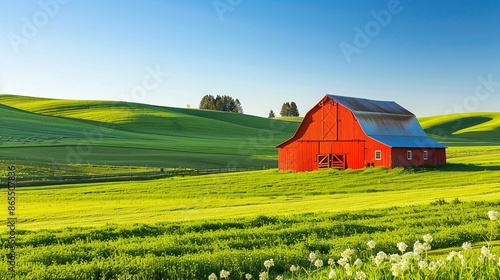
x: 56, y: 135
x: 190, y: 227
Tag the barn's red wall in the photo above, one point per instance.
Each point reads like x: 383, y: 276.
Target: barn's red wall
x: 371, y: 147
x: 326, y: 129
x: 330, y: 128
x: 435, y: 157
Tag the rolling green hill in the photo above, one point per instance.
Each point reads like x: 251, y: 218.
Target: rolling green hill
x: 188, y: 227
x: 479, y: 128
x: 101, y: 133
x: 60, y: 137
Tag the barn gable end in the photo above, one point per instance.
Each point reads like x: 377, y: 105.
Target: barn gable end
x: 354, y: 133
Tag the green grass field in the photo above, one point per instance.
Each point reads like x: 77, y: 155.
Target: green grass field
x: 188, y: 227
x: 56, y: 134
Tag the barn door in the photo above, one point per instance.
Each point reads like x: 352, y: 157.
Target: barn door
x: 324, y: 161
x: 339, y: 160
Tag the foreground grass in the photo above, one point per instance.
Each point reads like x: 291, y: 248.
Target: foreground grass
x: 250, y: 194
x: 195, y: 249
x: 190, y: 227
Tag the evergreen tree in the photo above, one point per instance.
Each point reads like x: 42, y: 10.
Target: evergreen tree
x: 221, y: 103
x: 294, y: 111
x: 271, y: 114
x: 207, y: 102
x: 285, y: 109
x: 239, y: 109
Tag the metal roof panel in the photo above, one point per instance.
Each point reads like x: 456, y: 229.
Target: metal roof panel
x: 387, y: 122
x: 374, y: 106
x: 407, y: 142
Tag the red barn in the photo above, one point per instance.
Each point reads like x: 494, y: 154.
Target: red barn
x: 355, y: 133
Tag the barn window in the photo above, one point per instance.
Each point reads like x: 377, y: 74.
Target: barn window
x: 409, y: 155
x: 426, y: 155
x: 378, y: 155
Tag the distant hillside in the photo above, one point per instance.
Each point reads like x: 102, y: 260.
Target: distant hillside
x: 130, y: 134
x: 42, y: 133
x: 469, y: 128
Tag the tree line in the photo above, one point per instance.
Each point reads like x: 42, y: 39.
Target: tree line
x: 227, y: 103
x: 221, y: 103
x: 288, y: 109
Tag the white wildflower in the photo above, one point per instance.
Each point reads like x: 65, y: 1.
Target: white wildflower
x: 318, y: 263
x: 332, y: 274
x: 423, y: 264
x: 451, y: 255
x: 486, y: 253
x: 347, y: 253
x: 268, y: 263
x: 418, y: 247
x: 212, y: 277
x: 397, y: 270
x: 343, y: 261
x: 263, y: 275
x: 357, y: 262
x: 493, y: 215
x: 381, y: 256
x: 409, y: 256
x: 279, y: 277
x: 348, y: 269
x: 248, y: 276
x: 331, y: 262
x: 371, y: 244
x: 294, y: 268
x: 224, y: 274
x: 432, y: 266
x: 402, y: 247
x: 312, y: 256
x: 460, y: 256
x: 405, y: 265
x: 463, y: 261
x: 360, y: 275
x: 427, y: 238
x: 480, y: 258
x: 395, y: 258
x: 466, y: 246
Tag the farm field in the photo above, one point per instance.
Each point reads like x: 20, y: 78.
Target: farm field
x: 58, y: 135
x: 190, y: 227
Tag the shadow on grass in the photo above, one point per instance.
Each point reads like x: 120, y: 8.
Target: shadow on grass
x: 468, y: 167
x: 455, y: 167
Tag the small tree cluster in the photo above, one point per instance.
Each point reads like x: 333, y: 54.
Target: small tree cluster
x: 221, y: 103
x: 289, y: 109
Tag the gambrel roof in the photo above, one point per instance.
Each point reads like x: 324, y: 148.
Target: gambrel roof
x: 385, y: 121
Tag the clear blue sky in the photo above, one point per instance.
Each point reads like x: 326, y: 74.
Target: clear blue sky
x: 426, y: 55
